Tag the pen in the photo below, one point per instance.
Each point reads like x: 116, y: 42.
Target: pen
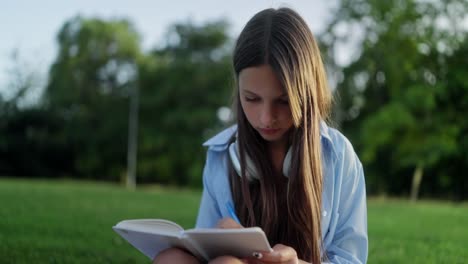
x: 232, y: 213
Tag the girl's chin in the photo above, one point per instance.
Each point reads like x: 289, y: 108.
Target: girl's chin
x: 272, y: 136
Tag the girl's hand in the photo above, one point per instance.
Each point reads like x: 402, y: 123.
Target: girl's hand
x: 175, y: 255
x: 227, y: 223
x: 281, y: 254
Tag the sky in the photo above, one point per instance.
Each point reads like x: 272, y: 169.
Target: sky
x: 30, y: 27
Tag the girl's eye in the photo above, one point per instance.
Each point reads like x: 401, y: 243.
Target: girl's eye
x: 252, y: 99
x: 284, y: 102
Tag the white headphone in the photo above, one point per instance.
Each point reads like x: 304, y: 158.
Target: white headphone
x: 250, y: 170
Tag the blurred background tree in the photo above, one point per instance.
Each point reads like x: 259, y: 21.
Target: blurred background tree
x: 31, y: 143
x: 402, y: 97
x: 80, y: 124
x: 89, y: 86
x: 183, y: 83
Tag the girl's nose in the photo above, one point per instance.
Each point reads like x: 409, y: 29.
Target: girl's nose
x: 267, y: 116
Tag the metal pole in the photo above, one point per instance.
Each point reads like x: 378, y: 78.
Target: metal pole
x: 132, y: 138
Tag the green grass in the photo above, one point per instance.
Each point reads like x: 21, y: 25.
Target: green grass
x: 422, y: 232
x: 70, y: 222
x: 44, y: 221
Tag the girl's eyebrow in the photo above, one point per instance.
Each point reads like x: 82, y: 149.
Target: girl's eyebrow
x: 249, y: 92
x: 252, y: 93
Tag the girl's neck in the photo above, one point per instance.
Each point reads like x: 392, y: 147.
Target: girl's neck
x: 277, y: 151
x: 280, y: 145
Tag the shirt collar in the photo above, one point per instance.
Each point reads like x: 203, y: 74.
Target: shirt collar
x: 326, y: 138
x: 220, y: 141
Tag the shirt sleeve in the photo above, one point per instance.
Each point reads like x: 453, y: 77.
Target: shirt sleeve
x: 208, y: 212
x: 350, y: 241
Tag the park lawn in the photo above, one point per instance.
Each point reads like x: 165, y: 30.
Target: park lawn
x: 47, y: 221
x: 421, y: 232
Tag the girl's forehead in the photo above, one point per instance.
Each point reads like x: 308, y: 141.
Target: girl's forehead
x: 260, y: 79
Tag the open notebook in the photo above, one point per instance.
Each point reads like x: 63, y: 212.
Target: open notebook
x: 151, y: 236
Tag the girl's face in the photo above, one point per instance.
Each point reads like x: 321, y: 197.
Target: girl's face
x: 265, y: 103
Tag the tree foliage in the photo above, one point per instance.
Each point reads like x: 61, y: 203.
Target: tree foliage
x: 400, y: 98
x: 89, y: 85
x: 183, y: 85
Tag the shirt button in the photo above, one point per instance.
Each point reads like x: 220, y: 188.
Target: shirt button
x: 324, y: 213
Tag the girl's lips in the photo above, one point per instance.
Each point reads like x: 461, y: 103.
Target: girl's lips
x: 269, y: 131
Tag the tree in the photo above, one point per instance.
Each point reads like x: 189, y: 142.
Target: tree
x: 183, y: 85
x: 454, y: 101
x: 31, y: 144
x: 393, y: 94
x: 89, y: 86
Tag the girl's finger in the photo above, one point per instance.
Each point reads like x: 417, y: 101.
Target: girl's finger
x: 280, y: 254
x: 228, y: 223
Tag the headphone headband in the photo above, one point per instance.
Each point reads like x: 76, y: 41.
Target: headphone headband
x: 251, y: 171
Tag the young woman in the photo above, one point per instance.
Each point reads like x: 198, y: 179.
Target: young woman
x: 281, y: 166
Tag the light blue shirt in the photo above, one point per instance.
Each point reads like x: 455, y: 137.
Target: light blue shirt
x: 344, y: 213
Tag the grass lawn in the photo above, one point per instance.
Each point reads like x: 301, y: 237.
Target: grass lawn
x: 44, y: 221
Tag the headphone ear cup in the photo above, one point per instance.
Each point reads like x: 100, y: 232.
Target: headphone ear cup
x: 250, y: 171
x: 234, y: 158
x: 287, y: 163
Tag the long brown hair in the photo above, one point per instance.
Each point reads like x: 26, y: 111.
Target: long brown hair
x: 291, y: 215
